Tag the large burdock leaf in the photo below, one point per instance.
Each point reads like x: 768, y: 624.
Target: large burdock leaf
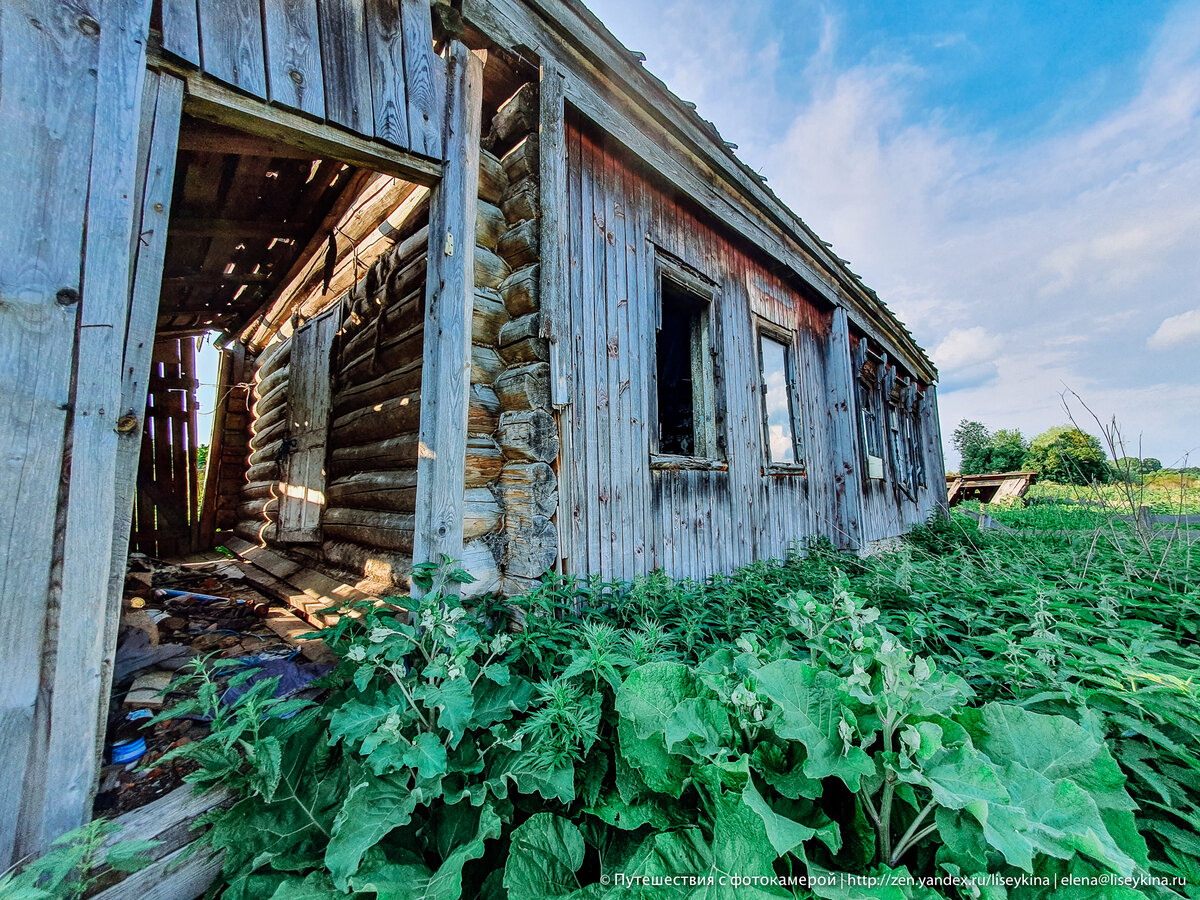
x: 416, y: 882
x: 372, y: 809
x: 960, y: 778
x: 651, y: 693
x: 1054, y: 746
x: 813, y: 704
x: 546, y: 852
x: 786, y: 835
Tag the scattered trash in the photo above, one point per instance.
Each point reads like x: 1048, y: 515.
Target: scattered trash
x: 172, y: 614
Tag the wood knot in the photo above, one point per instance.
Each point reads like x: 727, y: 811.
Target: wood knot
x: 88, y: 25
x: 67, y: 296
x: 127, y: 423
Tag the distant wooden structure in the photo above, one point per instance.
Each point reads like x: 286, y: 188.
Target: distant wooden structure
x: 992, y: 488
x: 483, y: 286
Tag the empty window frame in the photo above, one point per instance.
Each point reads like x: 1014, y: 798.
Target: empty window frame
x: 777, y: 380
x: 685, y: 393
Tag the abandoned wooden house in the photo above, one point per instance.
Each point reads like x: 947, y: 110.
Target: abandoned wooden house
x: 482, y: 287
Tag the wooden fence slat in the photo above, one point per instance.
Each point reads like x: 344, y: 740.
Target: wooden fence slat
x: 346, y: 64
x: 63, y: 781
x: 449, y: 302
x: 48, y: 105
x: 231, y: 44
x: 181, y: 29
x: 293, y: 61
x: 385, y: 42
x: 424, y: 78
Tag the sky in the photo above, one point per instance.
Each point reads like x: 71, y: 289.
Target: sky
x: 1019, y: 181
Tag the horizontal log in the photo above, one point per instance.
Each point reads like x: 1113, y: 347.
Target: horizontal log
x: 266, y: 471
x: 395, y: 319
x: 516, y: 118
x: 390, y: 453
x: 371, y: 563
x: 527, y: 490
x: 256, y: 531
x: 530, y: 436
x: 483, y: 412
x: 399, y: 352
x: 393, y: 383
x: 276, y: 355
x: 519, y: 245
x: 493, y: 180
x: 486, y: 364
x: 264, y: 387
x: 394, y: 531
x: 266, y: 454
x: 520, y: 291
x: 271, y: 435
x: 531, y: 550
x: 488, y: 316
x: 272, y: 417
x: 267, y: 402
x: 265, y: 509
x: 526, y: 351
x: 395, y: 415
x: 484, y: 460
x: 518, y: 329
x: 258, y: 490
x: 394, y: 490
x: 490, y: 223
x: 521, y: 202
x: 490, y: 269
x: 524, y: 387
x: 522, y: 160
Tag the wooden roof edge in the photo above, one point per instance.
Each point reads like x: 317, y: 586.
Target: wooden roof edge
x: 578, y: 27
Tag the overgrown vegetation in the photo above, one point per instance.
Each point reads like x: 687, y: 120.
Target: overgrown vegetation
x: 969, y: 705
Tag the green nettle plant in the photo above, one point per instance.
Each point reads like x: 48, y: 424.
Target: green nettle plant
x: 73, y: 865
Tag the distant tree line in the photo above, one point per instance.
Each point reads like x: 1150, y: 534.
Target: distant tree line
x: 1064, y: 454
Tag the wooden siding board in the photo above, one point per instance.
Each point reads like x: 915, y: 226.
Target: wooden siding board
x: 615, y: 349
x: 576, y: 464
x: 346, y: 65
x: 231, y: 44
x: 586, y: 385
x: 49, y: 98
x: 293, y: 55
x: 425, y: 81
x: 181, y: 29
x: 61, y: 786
x: 389, y: 98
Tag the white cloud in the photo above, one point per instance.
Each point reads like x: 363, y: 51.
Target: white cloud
x: 1174, y: 330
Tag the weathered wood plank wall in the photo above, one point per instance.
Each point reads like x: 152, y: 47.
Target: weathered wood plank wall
x: 51, y: 52
x: 366, y: 66
x: 626, y: 517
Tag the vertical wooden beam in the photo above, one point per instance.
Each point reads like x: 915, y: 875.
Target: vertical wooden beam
x: 48, y: 105
x: 449, y: 301
x: 844, y: 453
x: 424, y: 79
x: 553, y: 270
x: 161, y: 105
x: 58, y: 790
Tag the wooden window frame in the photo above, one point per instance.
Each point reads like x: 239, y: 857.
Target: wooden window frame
x: 708, y: 403
x: 868, y: 393
x: 787, y: 338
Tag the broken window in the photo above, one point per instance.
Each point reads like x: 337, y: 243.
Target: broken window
x: 687, y: 414
x: 778, y: 389
x: 868, y: 375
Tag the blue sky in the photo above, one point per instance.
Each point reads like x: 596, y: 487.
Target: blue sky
x: 1019, y: 181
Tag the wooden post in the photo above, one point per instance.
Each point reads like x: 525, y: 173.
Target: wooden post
x: 844, y: 452
x: 449, y: 301
x: 162, y: 101
x: 48, y: 105
x: 57, y: 791
x: 553, y: 271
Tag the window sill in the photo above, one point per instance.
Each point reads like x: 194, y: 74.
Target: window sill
x: 666, y: 462
x: 786, y: 469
